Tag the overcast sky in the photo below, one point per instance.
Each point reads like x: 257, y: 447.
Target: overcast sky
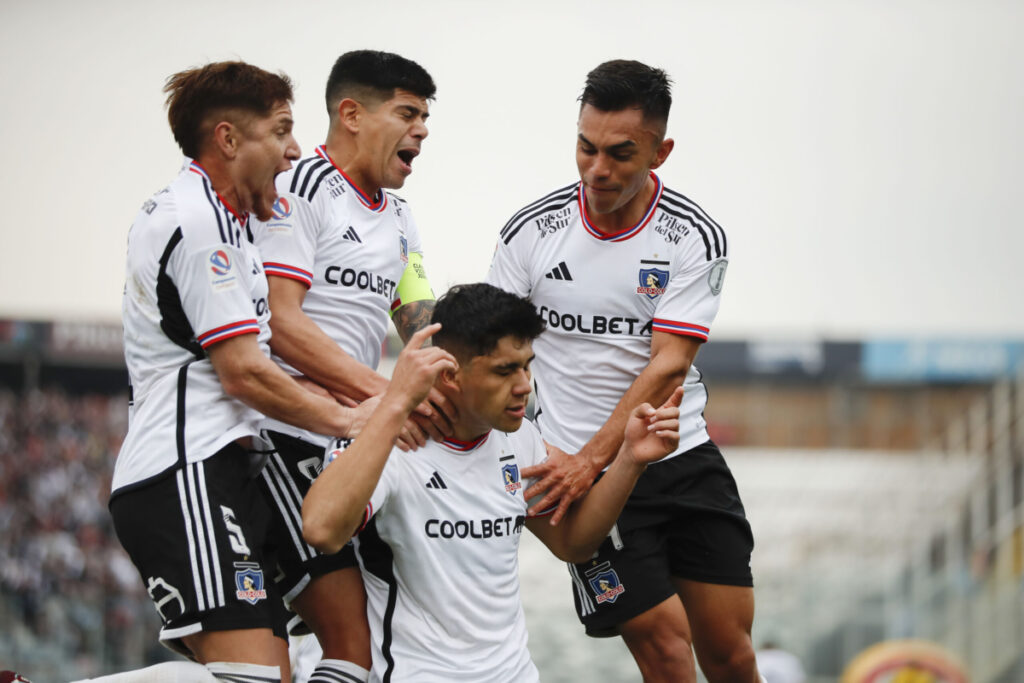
x: 862, y: 156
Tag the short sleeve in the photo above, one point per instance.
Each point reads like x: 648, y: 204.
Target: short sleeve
x: 213, y: 285
x: 288, y: 241
x: 531, y: 451
x: 691, y: 301
x: 412, y: 230
x: 509, y: 271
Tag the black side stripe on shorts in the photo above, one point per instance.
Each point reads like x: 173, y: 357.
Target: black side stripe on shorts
x: 379, y: 560
x: 288, y: 501
x: 204, y: 559
x: 579, y: 585
x: 552, y: 202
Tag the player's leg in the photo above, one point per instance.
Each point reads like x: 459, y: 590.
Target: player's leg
x: 197, y: 537
x: 625, y: 589
x: 325, y: 591
x: 659, y: 640
x: 242, y: 655
x: 709, y: 545
x: 333, y: 606
x: 721, y: 617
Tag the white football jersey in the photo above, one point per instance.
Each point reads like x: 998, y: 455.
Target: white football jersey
x: 348, y: 250
x: 602, y: 296
x: 193, y: 279
x: 440, y: 561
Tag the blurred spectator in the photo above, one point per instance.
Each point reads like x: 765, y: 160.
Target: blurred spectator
x: 64, y: 579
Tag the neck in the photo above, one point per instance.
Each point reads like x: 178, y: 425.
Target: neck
x: 345, y: 155
x: 222, y: 183
x: 467, y: 433
x: 624, y: 217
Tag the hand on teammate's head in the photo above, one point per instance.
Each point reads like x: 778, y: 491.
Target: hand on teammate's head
x: 417, y: 368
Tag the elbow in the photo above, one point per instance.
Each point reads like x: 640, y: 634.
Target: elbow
x: 318, y: 534
x: 575, y: 553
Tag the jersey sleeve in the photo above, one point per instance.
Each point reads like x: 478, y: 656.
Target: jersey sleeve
x: 385, y: 486
x: 288, y: 244
x: 412, y: 230
x: 509, y: 270
x: 213, y: 287
x: 690, y: 302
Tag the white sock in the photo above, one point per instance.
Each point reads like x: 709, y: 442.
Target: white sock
x: 168, y: 672
x: 238, y: 672
x: 338, y: 671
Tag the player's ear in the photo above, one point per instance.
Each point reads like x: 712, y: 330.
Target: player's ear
x: 350, y: 113
x: 450, y: 379
x: 662, y: 152
x: 226, y: 137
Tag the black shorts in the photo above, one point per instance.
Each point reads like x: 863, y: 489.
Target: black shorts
x: 286, y: 478
x: 197, y: 537
x: 684, y: 519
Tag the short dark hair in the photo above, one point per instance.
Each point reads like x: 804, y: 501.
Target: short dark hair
x: 625, y: 83
x: 219, y: 90
x: 475, y: 317
x: 371, y: 74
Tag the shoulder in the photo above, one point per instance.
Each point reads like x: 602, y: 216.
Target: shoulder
x: 528, y: 443
x: 691, y: 221
x: 304, y: 180
x: 562, y: 199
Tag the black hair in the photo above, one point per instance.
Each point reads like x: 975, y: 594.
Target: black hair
x: 220, y: 90
x: 625, y: 83
x: 475, y: 317
x: 371, y: 74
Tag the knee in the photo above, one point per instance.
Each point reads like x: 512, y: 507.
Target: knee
x: 729, y: 665
x: 663, y: 655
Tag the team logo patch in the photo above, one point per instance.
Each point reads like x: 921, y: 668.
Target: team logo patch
x: 249, y: 582
x: 510, y: 473
x: 220, y: 264
x: 717, y: 276
x: 652, y: 282
x: 221, y: 272
x: 403, y: 245
x: 282, y: 209
x: 606, y: 585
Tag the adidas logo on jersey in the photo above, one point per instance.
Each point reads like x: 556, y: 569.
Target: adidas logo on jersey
x: 436, y: 482
x: 559, y: 272
x: 350, y: 234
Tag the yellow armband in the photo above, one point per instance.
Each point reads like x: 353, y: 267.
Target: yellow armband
x: 414, y: 285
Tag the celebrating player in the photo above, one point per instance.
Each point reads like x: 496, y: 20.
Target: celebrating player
x: 628, y: 275
x: 341, y: 255
x: 185, y: 502
x: 441, y: 526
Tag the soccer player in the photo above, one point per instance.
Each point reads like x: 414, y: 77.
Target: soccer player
x: 628, y: 275
x: 185, y: 502
x: 441, y: 526
x: 342, y: 254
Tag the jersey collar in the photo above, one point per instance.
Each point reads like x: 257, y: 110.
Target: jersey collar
x: 194, y: 167
x: 622, y: 235
x: 465, y: 446
x: 376, y: 206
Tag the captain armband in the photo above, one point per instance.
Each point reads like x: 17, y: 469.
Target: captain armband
x: 414, y: 285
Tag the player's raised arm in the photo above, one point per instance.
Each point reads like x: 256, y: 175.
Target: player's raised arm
x: 649, y: 435
x: 336, y: 502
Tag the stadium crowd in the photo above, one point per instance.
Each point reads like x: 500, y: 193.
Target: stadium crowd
x: 66, y: 586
